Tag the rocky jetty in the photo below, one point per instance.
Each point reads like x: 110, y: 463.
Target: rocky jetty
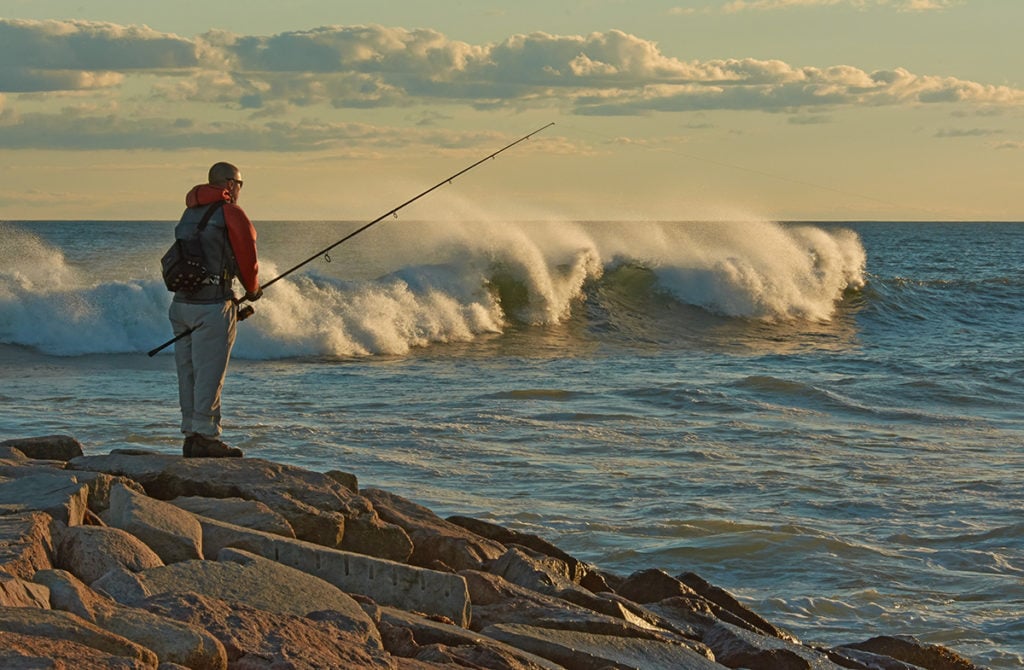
x: 136, y: 559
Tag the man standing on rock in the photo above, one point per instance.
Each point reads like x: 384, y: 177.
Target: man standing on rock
x: 202, y: 355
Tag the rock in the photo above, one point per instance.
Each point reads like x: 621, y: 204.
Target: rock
x: 172, y: 641
x: 26, y: 543
x: 100, y: 484
x: 727, y: 602
x: 16, y: 592
x: 49, y: 447
x: 435, y: 541
x: 650, y: 586
x: 586, y: 651
x: 506, y: 537
x: 387, y: 582
x: 248, y: 513
x: 497, y: 601
x: 20, y: 651
x: 740, y: 648
x: 256, y: 638
x: 865, y: 660
x: 57, y: 493
x: 57, y: 625
x: 319, y: 508
x: 237, y: 577
x: 417, y: 631
x: 172, y: 533
x: 910, y: 650
x: 89, y: 552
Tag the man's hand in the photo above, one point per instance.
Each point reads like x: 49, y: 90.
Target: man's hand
x: 253, y: 297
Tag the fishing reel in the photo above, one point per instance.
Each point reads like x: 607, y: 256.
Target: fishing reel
x: 245, y: 312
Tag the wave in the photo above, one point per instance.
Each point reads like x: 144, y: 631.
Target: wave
x: 453, y: 282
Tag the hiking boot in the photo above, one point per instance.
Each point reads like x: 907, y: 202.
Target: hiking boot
x: 209, y: 447
x: 186, y: 447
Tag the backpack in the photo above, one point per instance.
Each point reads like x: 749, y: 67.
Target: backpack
x: 182, y: 264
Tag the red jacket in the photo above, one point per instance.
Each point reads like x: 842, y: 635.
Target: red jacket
x: 241, y: 233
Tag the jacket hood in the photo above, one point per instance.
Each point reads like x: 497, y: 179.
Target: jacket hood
x: 206, y: 194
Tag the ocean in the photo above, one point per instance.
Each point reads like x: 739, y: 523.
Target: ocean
x: 823, y: 418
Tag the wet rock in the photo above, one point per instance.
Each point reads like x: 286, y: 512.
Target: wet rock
x: 728, y: 603
x: 89, y: 552
x: 172, y: 533
x: 586, y: 651
x: 492, y: 531
x: 47, y: 447
x: 910, y: 650
x: 650, y: 586
x: 740, y: 648
x: 435, y: 541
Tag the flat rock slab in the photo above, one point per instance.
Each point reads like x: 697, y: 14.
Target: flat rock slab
x: 237, y: 576
x: 585, y: 651
x: 57, y: 493
x: 238, y: 511
x: 387, y: 582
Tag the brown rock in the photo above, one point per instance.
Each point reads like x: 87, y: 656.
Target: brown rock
x: 26, y: 543
x: 20, y: 651
x: 248, y: 513
x: 650, y: 586
x: 58, y: 625
x: 89, y: 552
x: 910, y: 650
x: 172, y: 641
x: 255, y: 638
x: 16, y: 592
x: 171, y: 532
x: 727, y: 602
x: 434, y: 539
x: 318, y: 507
x: 505, y: 536
x: 48, y: 447
x: 55, y: 492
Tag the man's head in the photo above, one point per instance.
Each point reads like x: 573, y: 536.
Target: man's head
x: 227, y: 176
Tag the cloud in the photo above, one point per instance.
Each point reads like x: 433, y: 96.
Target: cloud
x: 264, y: 82
x: 966, y: 132
x: 76, y: 55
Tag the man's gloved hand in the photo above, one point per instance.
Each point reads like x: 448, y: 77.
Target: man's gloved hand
x: 253, y: 297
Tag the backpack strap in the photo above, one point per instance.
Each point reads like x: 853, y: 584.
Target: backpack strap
x: 206, y: 216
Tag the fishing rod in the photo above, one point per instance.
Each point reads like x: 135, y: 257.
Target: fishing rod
x: 248, y: 310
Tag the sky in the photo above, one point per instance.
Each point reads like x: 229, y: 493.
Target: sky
x: 813, y: 110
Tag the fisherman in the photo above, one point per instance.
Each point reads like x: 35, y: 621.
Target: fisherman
x: 210, y: 313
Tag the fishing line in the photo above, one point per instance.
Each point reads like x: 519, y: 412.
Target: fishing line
x: 247, y: 311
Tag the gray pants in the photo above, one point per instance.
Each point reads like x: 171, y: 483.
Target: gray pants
x: 202, y: 358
